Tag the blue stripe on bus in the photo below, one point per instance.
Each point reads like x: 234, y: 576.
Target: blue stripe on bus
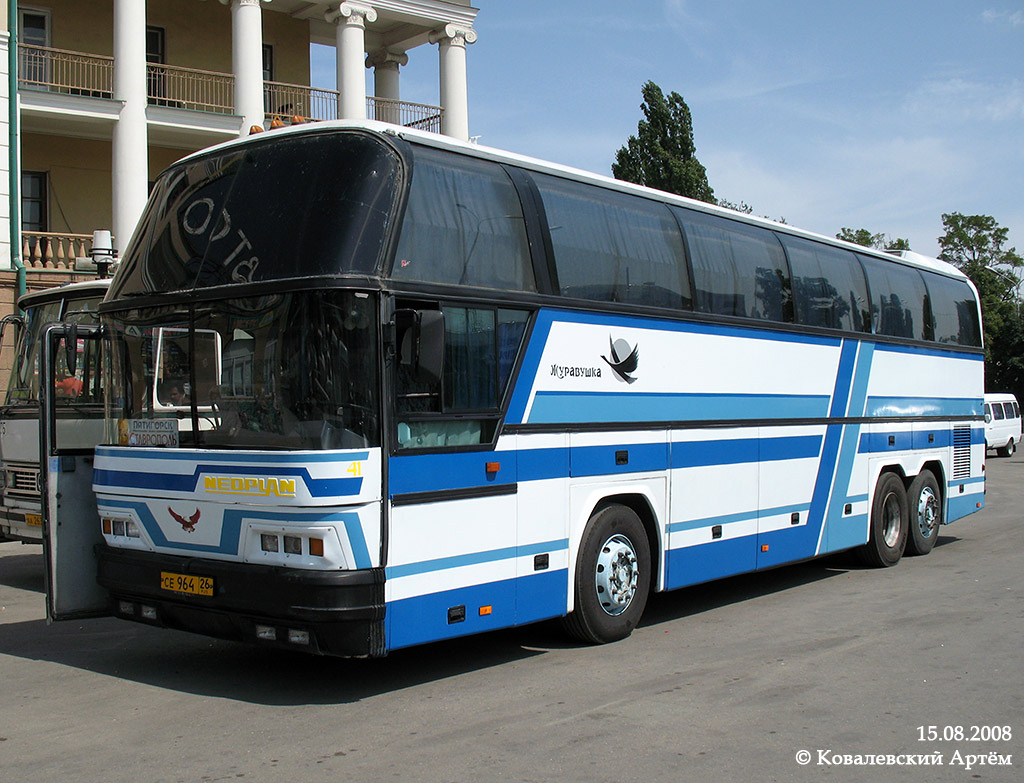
x: 133, y: 453
x: 553, y: 407
x: 959, y: 506
x: 602, y: 460
x: 180, y: 482
x: 803, y: 541
x: 703, y: 453
x: 841, y: 531
x: 701, y: 563
x: 466, y: 470
x: 742, y: 516
x: 424, y: 618
x: 450, y: 470
x: 475, y: 558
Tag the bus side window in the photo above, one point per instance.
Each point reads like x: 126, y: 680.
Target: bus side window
x: 464, y: 226
x: 614, y: 247
x: 738, y: 269
x: 463, y: 407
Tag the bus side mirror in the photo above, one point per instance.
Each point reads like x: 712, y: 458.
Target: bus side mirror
x: 988, y: 418
x: 420, y: 335
x: 16, y: 319
x: 71, y: 347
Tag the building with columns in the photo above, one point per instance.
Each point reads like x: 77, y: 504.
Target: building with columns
x: 98, y: 96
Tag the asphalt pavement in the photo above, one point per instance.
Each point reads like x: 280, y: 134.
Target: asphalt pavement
x: 823, y: 670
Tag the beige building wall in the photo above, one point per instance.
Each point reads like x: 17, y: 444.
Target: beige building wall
x: 197, y: 34
x: 79, y: 180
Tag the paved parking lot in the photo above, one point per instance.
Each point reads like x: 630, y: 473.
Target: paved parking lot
x: 726, y: 681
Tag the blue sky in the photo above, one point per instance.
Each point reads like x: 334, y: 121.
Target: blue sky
x: 877, y: 115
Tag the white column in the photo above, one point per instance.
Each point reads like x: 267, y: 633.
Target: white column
x: 247, y: 61
x: 452, y: 41
x: 351, y: 19
x: 385, y: 66
x: 130, y: 141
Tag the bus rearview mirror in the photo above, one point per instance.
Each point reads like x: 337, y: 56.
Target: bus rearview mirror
x: 71, y: 348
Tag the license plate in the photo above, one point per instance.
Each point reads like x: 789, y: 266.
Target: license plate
x: 34, y: 520
x: 186, y: 583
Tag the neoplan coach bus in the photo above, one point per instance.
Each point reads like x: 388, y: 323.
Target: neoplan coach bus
x: 460, y: 390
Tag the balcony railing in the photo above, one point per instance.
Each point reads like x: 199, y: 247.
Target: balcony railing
x: 77, y: 73
x: 283, y: 101
x: 411, y: 115
x: 190, y: 88
x: 70, y: 73
x: 53, y: 250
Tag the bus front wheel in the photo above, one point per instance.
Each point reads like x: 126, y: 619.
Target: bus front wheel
x: 890, y: 521
x: 613, y: 577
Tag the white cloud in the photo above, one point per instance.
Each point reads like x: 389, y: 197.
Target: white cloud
x: 960, y: 100
x: 1013, y: 18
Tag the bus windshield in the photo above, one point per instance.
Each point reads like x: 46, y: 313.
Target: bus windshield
x: 296, y: 205
x: 80, y: 386
x: 282, y: 371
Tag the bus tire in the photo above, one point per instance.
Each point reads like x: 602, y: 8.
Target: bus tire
x: 613, y: 577
x: 1007, y: 450
x: 889, y: 524
x: 924, y: 501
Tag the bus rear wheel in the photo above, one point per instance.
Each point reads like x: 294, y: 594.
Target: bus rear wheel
x: 890, y: 520
x: 613, y: 577
x: 925, y: 505
x: 1007, y: 450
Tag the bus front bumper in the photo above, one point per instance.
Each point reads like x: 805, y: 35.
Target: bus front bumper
x: 324, y: 612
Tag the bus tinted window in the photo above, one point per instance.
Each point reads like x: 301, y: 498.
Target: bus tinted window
x: 997, y: 412
x: 462, y: 409
x: 614, y: 247
x: 285, y: 207
x: 897, y: 300
x: 954, y: 310
x: 737, y: 269
x: 828, y: 286
x: 463, y: 226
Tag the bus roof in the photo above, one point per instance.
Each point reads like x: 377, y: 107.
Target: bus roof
x: 80, y: 290
x: 438, y: 141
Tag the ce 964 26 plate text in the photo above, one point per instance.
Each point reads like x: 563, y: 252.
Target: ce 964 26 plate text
x: 189, y: 584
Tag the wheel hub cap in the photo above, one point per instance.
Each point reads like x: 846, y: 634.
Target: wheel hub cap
x: 617, y: 574
x: 927, y: 512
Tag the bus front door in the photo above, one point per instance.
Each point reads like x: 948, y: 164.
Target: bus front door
x: 70, y: 426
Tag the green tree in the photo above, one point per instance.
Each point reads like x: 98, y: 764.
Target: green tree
x: 662, y: 154
x: 878, y: 241
x: 975, y: 244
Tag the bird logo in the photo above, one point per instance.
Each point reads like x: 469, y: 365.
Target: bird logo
x: 189, y: 524
x: 623, y: 360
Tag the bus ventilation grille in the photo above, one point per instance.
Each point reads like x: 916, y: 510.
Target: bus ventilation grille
x: 961, y: 453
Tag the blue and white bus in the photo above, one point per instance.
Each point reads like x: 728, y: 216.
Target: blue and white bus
x: 436, y: 389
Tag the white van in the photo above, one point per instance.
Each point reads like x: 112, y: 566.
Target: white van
x: 1002, y: 423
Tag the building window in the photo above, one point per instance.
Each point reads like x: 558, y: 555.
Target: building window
x: 156, y: 55
x: 268, y: 76
x: 33, y: 30
x: 34, y: 212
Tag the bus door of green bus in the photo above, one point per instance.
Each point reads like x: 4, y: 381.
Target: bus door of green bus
x: 70, y: 425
